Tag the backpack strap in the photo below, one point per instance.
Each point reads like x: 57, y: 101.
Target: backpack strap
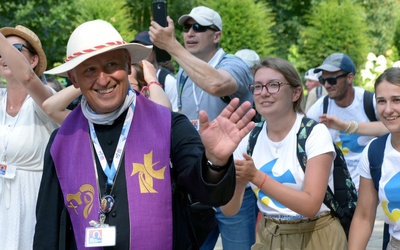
x: 318, y: 91
x: 162, y: 75
x: 325, y: 106
x: 253, y: 137
x: 330, y: 200
x: 369, y: 106
x: 375, y: 157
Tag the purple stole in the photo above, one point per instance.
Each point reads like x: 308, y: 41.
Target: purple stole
x: 147, y: 169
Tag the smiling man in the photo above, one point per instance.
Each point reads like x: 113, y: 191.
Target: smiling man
x: 207, y: 79
x: 109, y: 169
x: 346, y: 117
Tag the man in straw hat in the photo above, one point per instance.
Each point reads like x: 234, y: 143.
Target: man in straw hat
x: 88, y: 172
x: 24, y: 133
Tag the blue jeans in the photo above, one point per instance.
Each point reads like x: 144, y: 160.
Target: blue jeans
x: 238, y: 232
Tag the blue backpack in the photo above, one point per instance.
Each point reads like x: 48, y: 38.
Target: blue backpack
x: 342, y: 202
x: 375, y: 157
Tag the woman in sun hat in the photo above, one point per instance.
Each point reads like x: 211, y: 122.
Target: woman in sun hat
x: 24, y: 132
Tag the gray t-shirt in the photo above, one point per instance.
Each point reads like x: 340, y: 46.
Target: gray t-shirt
x: 193, y: 99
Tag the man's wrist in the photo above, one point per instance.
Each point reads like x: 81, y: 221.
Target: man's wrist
x: 215, y: 167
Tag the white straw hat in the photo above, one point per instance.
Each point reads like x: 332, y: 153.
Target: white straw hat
x: 93, y: 38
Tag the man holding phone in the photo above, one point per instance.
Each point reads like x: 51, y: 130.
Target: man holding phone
x: 207, y: 79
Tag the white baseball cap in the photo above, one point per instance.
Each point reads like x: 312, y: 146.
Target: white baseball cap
x: 203, y: 16
x: 250, y: 57
x: 310, y: 75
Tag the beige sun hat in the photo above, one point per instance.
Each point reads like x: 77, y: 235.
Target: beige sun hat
x: 29, y: 36
x: 93, y: 38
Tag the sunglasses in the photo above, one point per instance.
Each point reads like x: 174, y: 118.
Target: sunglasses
x: 197, y: 28
x: 20, y: 47
x: 332, y: 80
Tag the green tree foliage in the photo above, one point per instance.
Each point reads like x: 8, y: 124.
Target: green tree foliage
x: 52, y: 20
x: 289, y: 17
x: 112, y: 11
x: 246, y: 24
x: 334, y: 26
x: 382, y: 18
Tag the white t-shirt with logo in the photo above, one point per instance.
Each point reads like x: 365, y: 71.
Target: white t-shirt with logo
x: 279, y: 161
x: 351, y: 145
x: 389, y: 185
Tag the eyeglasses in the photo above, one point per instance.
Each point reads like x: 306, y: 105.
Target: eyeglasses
x: 20, y: 46
x: 271, y: 87
x: 197, y: 28
x: 332, y: 80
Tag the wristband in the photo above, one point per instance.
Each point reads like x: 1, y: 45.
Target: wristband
x: 355, y: 128
x: 348, y: 127
x: 154, y: 82
x: 262, y: 183
x: 215, y: 167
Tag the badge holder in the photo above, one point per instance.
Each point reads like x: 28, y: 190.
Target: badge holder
x: 100, y: 234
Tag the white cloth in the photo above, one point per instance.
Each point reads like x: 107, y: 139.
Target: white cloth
x: 279, y: 159
x: 351, y: 144
x: 389, y: 185
x: 25, y: 150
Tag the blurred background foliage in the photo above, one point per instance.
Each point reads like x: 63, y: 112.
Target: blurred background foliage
x: 304, y: 32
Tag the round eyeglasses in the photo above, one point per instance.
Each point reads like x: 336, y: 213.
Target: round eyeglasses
x: 271, y: 87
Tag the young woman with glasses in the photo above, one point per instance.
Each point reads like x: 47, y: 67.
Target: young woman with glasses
x: 290, y: 200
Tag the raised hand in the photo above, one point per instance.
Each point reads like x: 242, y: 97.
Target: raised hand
x: 221, y: 136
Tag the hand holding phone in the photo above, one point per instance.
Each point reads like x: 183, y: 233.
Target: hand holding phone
x: 160, y: 16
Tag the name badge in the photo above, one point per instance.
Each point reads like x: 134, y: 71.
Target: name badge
x: 196, y: 124
x: 7, y: 171
x: 100, y: 236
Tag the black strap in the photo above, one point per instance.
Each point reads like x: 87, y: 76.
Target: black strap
x: 162, y: 75
x: 325, y: 107
x: 318, y: 91
x: 369, y: 106
x: 367, y: 103
x: 375, y: 157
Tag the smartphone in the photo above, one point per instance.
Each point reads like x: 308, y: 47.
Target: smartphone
x: 160, y: 16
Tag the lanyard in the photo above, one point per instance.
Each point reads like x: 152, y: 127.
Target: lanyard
x: 110, y: 171
x: 182, y: 81
x: 197, y: 101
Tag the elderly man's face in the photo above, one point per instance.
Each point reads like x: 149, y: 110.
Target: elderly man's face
x: 103, y: 80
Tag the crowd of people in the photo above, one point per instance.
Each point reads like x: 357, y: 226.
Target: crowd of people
x: 147, y: 146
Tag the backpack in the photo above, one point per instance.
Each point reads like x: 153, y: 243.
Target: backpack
x: 162, y: 75
x: 375, y: 157
x: 367, y: 103
x: 341, y: 202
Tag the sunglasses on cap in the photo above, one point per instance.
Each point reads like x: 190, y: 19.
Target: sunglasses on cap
x: 332, y: 80
x: 20, y: 46
x: 197, y: 28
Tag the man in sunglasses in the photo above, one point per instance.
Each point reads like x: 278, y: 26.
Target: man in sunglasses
x: 348, y: 112
x: 208, y: 78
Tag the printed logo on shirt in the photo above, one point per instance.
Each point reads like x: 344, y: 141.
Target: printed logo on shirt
x: 286, y: 177
x: 350, y: 143
x: 392, y: 204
